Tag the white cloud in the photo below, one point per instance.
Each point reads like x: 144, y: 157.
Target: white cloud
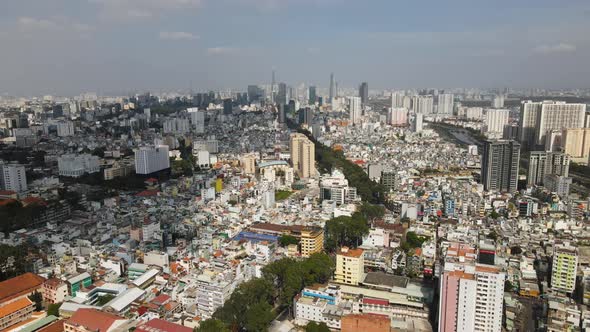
x: 36, y: 23
x: 63, y: 25
x: 177, y: 35
x: 123, y: 10
x: 555, y: 48
x: 221, y: 50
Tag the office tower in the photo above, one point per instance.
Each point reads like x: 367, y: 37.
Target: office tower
x: 72, y: 165
x: 423, y: 104
x: 446, y: 101
x: 397, y: 100
x: 272, y: 88
x: 471, y: 298
x: 332, y: 89
x: 306, y: 116
x: 354, y: 110
x: 496, y: 120
x: 282, y: 95
x: 498, y: 101
x: 281, y: 113
x: 576, y: 143
x: 302, y: 155
x: 350, y: 266
x: 499, y: 165
x: 312, y: 95
x: 364, y: 93
x: 255, y: 93
x: 542, y: 164
x: 417, y: 122
x: 197, y: 119
x: 564, y: 268
x: 13, y: 177
x: 227, y: 106
x: 397, y: 116
x: 538, y: 118
x: 65, y: 128
x: 150, y: 159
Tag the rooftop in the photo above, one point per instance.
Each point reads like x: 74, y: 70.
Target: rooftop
x: 20, y: 285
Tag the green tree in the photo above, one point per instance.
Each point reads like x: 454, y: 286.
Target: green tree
x: 37, y: 298
x: 212, y: 325
x: 345, y: 231
x: 415, y: 241
x: 102, y: 300
x: 285, y: 240
x: 259, y: 316
x: 53, y: 309
x: 316, y: 327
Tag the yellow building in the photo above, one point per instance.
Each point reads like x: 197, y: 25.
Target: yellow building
x: 576, y: 143
x: 249, y: 163
x: 302, y: 155
x: 350, y: 266
x: 218, y: 185
x: 312, y: 241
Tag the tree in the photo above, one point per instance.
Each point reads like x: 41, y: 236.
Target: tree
x: 212, y: 325
x: 316, y: 327
x: 102, y: 300
x: 286, y: 240
x: 37, y: 298
x: 259, y: 316
x: 53, y: 309
x: 345, y: 231
x: 415, y: 241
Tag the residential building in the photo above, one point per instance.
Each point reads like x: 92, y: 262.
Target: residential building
x: 564, y: 268
x: 355, y: 110
x: 318, y: 303
x: 150, y: 159
x: 54, y: 290
x: 499, y: 166
x: 543, y: 163
x: 249, y: 163
x: 538, y: 118
x: 84, y: 320
x: 212, y: 292
x: 423, y: 104
x: 558, y: 184
x: 65, y: 128
x: 446, y: 102
x: 397, y: 116
x: 302, y: 155
x: 350, y: 266
x: 576, y: 143
x: 72, y: 165
x: 471, y: 298
x: 496, y: 120
x: 197, y: 118
x: 335, y: 187
x: 15, y: 312
x: 176, y: 126
x: 13, y: 177
x: 19, y: 287
x: 311, y: 241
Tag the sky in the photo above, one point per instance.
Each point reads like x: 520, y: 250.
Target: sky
x: 66, y: 47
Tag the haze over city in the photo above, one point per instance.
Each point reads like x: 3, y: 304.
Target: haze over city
x: 67, y: 47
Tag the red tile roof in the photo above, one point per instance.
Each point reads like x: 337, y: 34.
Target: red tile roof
x: 93, y: 320
x: 148, y: 193
x: 57, y: 326
x: 15, y: 306
x: 19, y: 286
x: 161, y: 299
x: 160, y: 325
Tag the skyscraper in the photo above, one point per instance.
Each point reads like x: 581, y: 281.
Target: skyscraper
x: 227, y: 106
x: 397, y: 116
x: 446, y: 102
x: 542, y: 164
x: 564, y: 269
x: 417, y: 122
x: 354, y: 110
x: 499, y: 165
x: 312, y: 95
x: 364, y: 93
x: 471, y: 298
x: 423, y: 104
x: 332, y: 89
x: 496, y: 120
x: 272, y: 88
x: 151, y: 159
x: 538, y: 118
x: 282, y: 95
x: 397, y: 100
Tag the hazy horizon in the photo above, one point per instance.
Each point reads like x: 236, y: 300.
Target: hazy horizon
x: 66, y: 47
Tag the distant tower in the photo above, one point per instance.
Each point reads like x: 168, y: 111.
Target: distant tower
x: 332, y: 88
x: 364, y: 93
x: 272, y: 88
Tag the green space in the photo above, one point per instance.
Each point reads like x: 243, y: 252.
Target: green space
x: 282, y: 194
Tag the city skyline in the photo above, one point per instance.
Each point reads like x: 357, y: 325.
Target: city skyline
x: 67, y: 47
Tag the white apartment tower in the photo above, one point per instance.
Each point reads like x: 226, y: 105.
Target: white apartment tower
x: 354, y: 110
x: 446, y: 103
x: 65, y: 128
x: 13, y: 177
x: 538, y: 118
x: 302, y: 155
x: 150, y: 159
x: 423, y: 104
x: 496, y: 120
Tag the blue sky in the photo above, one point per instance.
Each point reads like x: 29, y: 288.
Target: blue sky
x: 121, y: 46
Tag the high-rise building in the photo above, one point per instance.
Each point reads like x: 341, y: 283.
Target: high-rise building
x: 65, y: 128
x: 576, y: 143
x: 354, y: 110
x: 397, y: 100
x: 13, y: 177
x: 255, y: 93
x: 417, y: 122
x: 176, y: 126
x: 543, y: 163
x: 312, y: 95
x: 197, y: 119
x: 364, y: 93
x: 558, y: 184
x: 227, y: 106
x: 538, y: 118
x: 423, y: 104
x: 302, y: 155
x: 397, y: 116
x: 306, y: 116
x: 446, y: 101
x: 72, y: 165
x: 350, y: 266
x: 281, y: 116
x: 150, y: 159
x: 564, y: 268
x: 332, y: 92
x: 471, y: 298
x: 498, y: 101
x: 499, y: 165
x: 249, y: 163
x: 272, y: 88
x: 282, y: 95
x: 496, y: 120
